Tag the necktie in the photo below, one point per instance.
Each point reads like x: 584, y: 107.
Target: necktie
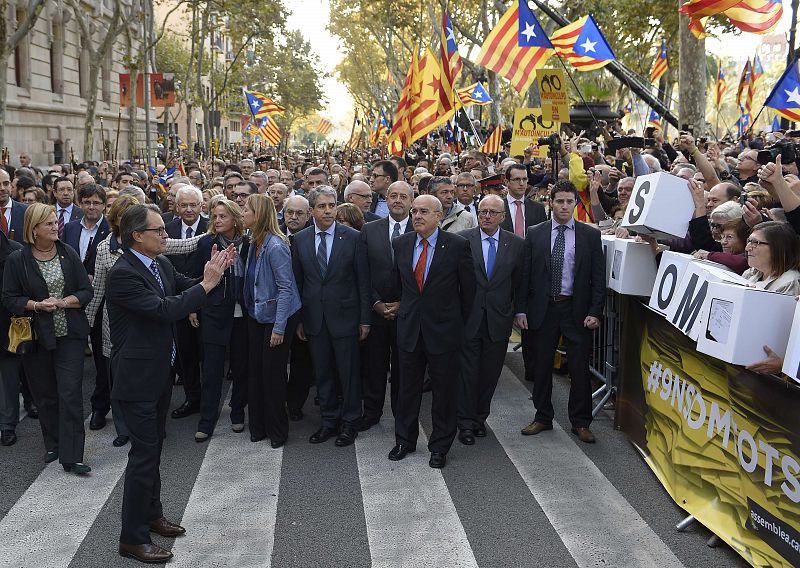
x: 3, y: 221
x: 61, y: 225
x: 519, y: 221
x: 466, y: 207
x: 157, y: 273
x: 490, y: 257
x: 419, y: 269
x: 557, y: 262
x: 188, y: 232
x: 322, y: 253
x: 396, y: 231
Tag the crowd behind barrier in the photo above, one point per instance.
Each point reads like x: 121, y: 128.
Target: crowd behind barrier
x: 348, y: 269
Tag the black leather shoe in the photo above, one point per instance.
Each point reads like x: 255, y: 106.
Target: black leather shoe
x: 255, y: 439
x: 32, y: 411
x: 295, y: 415
x: 480, y: 431
x: 400, y: 451
x: 277, y: 443
x: 120, y: 441
x: 366, y: 423
x: 186, y: 409
x: 438, y: 460
x: 76, y: 468
x: 466, y: 437
x: 322, y: 435
x: 347, y: 437
x: 51, y: 456
x: 8, y: 438
x: 97, y: 421
x: 149, y: 553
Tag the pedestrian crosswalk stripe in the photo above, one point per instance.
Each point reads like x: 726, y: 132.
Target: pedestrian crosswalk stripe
x: 234, y: 501
x: 47, y: 524
x: 411, y: 518
x: 594, y: 521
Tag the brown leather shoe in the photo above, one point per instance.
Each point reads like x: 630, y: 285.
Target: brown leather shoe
x: 536, y: 428
x: 149, y: 553
x: 584, y: 435
x: 165, y: 528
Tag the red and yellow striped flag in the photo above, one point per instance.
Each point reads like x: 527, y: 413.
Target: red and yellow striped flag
x: 492, y: 144
x: 400, y: 137
x: 660, y: 66
x: 721, y: 84
x: 324, y: 126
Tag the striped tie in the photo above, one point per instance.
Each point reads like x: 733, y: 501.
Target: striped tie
x: 157, y: 273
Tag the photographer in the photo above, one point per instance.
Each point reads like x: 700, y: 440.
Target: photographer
x: 772, y: 179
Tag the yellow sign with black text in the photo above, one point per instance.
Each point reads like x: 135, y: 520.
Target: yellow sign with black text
x: 553, y: 94
x: 529, y: 127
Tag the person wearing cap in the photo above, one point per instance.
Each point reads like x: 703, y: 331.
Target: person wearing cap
x: 493, y: 185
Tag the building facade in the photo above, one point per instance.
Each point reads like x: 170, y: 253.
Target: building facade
x: 48, y: 81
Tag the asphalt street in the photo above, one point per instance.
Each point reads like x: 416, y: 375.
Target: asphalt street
x: 544, y: 501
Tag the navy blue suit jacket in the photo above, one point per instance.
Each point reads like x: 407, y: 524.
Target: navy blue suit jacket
x: 17, y: 220
x: 72, y: 237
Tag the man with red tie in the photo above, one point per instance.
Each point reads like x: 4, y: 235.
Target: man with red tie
x: 66, y: 210
x: 435, y: 284
x: 12, y: 213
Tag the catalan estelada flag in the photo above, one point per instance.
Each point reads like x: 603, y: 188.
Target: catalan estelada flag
x: 660, y: 66
x: 654, y: 119
x: 492, y: 144
x: 583, y: 45
x: 261, y: 105
x: 516, y: 46
x: 451, y: 60
x: 721, y: 84
x: 268, y: 131
x: 475, y: 94
x: 744, y: 81
x: 785, y: 96
x: 755, y: 74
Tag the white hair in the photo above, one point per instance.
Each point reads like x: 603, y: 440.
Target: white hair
x: 652, y: 163
x: 189, y: 190
x: 728, y: 211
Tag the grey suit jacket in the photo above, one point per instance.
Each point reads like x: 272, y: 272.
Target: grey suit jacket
x: 500, y: 296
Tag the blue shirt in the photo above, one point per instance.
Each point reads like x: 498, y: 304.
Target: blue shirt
x: 381, y: 207
x: 431, y: 249
x: 568, y: 270
x: 329, y: 232
x: 146, y: 260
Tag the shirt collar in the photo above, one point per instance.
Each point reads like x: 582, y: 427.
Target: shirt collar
x: 569, y: 224
x: 146, y: 260
x: 431, y: 240
x: 329, y: 231
x: 184, y: 226
x: 96, y: 225
x: 496, y: 235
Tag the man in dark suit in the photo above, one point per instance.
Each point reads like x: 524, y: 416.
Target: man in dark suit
x: 565, y: 271
x: 84, y: 236
x: 359, y: 194
x: 332, y: 275
x: 435, y: 284
x: 66, y: 210
x: 9, y: 362
x: 381, y: 345
x: 12, y: 213
x: 145, y: 297
x: 499, y: 261
x: 384, y: 173
x: 188, y: 203
x: 521, y: 212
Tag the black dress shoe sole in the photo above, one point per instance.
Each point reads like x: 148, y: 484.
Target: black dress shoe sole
x: 50, y: 457
x: 178, y: 413
x: 276, y: 444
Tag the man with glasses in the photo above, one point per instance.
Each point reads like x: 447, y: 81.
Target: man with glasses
x: 278, y: 193
x: 521, y: 211
x: 359, y: 194
x: 84, y: 236
x: 242, y: 191
x: 314, y: 177
x: 384, y: 173
x: 467, y: 191
x: 455, y: 217
x: 499, y: 260
x: 435, y: 285
x: 747, y: 168
x: 189, y: 223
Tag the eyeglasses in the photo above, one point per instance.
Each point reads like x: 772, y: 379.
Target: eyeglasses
x: 373, y: 176
x: 87, y: 203
x: 241, y: 195
x: 489, y: 213
x: 160, y: 230
x: 519, y: 180
x: 728, y: 237
x: 464, y: 185
x: 365, y: 196
x: 423, y: 212
x: 755, y: 243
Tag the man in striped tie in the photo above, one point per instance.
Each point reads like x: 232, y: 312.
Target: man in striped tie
x: 435, y: 285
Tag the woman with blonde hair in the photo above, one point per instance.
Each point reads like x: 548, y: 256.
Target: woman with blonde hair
x: 46, y: 281
x: 273, y: 302
x: 208, y: 194
x: 108, y: 252
x: 222, y: 320
x: 351, y: 215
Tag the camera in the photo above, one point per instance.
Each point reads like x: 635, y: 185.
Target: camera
x: 553, y: 141
x: 783, y: 148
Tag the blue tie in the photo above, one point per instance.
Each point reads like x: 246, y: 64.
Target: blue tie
x: 322, y: 253
x: 492, y: 254
x: 157, y: 274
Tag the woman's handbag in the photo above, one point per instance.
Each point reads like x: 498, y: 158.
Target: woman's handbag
x: 20, y: 336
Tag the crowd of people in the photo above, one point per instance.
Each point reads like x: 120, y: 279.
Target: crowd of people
x: 348, y: 272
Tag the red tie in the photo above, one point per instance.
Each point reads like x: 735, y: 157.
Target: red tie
x: 3, y: 222
x: 519, y: 222
x: 419, y: 270
x: 61, y: 225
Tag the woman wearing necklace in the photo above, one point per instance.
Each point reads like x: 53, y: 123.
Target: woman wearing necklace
x: 46, y: 280
x: 221, y: 321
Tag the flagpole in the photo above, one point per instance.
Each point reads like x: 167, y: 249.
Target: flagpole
x: 574, y: 84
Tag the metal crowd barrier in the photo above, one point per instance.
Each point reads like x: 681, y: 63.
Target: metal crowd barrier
x: 604, y: 359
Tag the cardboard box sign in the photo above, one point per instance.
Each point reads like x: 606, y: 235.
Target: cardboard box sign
x: 608, y: 253
x: 670, y: 274
x: 740, y: 320
x: 633, y: 268
x: 691, y: 298
x: 791, y: 361
x: 661, y: 205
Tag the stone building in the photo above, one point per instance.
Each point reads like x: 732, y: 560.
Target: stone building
x: 48, y: 78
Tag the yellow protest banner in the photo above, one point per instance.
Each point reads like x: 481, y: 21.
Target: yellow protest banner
x: 529, y: 126
x: 553, y: 94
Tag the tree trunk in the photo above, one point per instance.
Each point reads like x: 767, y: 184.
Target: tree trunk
x: 3, y: 98
x: 133, y: 109
x: 91, y: 111
x: 494, y: 92
x: 691, y: 79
